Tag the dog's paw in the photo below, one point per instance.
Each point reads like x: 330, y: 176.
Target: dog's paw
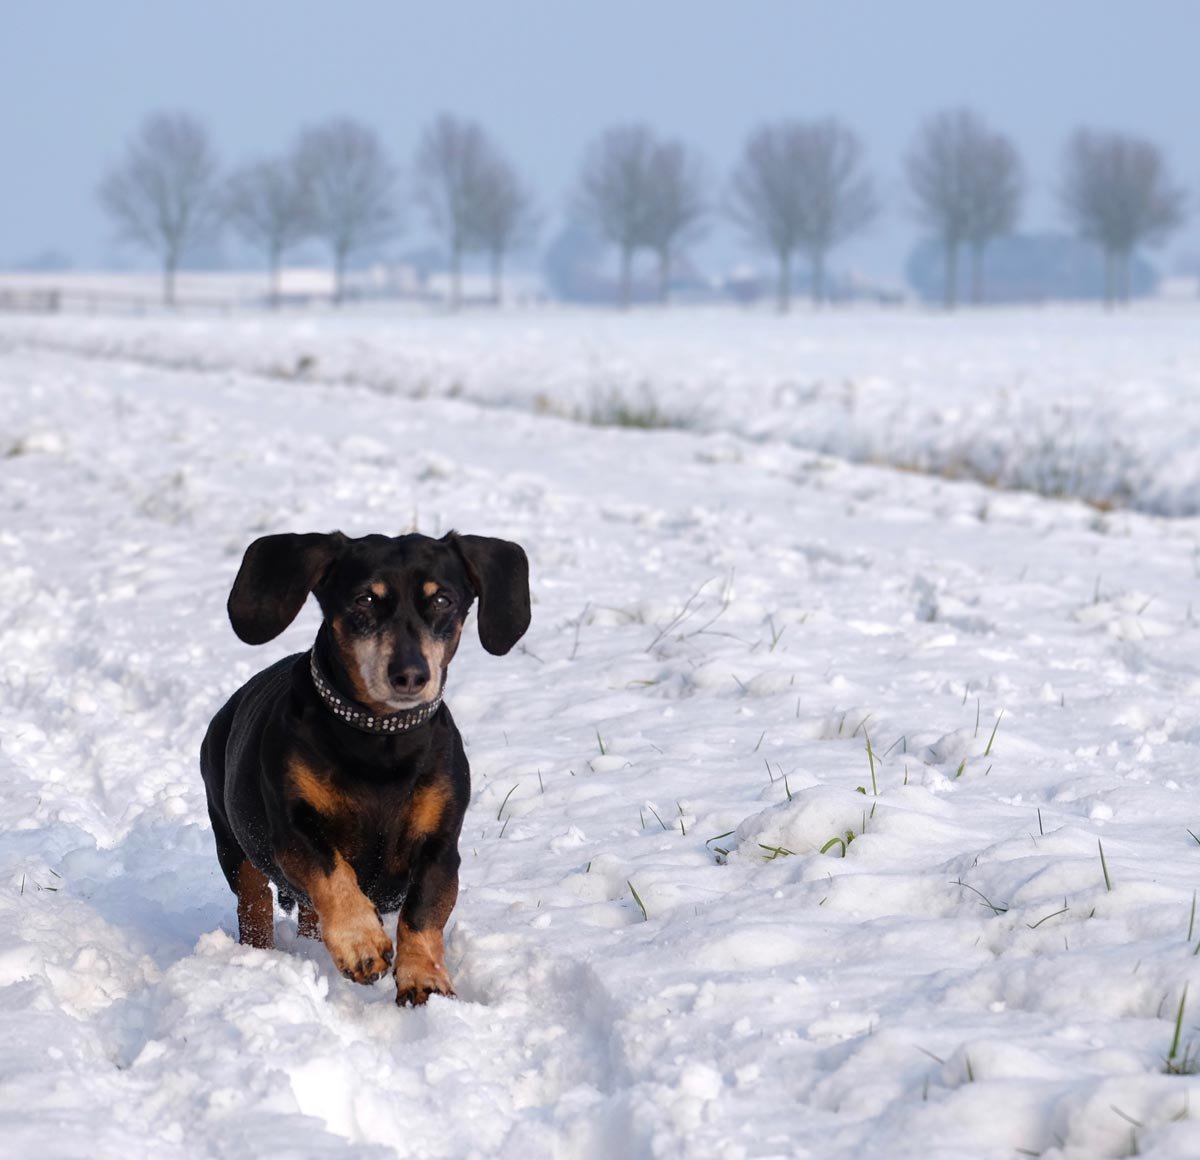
x: 361, y: 950
x: 413, y: 987
x: 417, y: 980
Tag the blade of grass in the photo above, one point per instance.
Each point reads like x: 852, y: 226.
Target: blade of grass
x: 637, y: 898
x: 988, y: 751
x: 986, y: 900
x: 1055, y: 914
x: 1104, y: 867
x: 871, y: 760
x: 1178, y: 1030
x: 500, y: 811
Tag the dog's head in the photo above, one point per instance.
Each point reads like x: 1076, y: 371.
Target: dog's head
x: 394, y: 605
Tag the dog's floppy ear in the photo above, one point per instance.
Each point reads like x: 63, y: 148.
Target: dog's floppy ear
x: 499, y: 574
x: 276, y: 576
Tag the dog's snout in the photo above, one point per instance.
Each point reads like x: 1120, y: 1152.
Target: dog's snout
x: 410, y: 675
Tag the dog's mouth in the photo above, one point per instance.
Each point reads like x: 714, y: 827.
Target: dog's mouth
x: 385, y: 689
x: 398, y: 703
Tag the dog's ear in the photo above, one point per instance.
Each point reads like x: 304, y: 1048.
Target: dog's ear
x: 499, y: 575
x: 276, y: 576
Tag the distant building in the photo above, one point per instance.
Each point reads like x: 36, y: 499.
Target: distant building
x: 1026, y: 268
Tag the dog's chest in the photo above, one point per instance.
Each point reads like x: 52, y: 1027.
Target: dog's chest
x: 379, y: 830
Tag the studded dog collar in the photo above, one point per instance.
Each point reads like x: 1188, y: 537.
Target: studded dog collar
x: 363, y: 719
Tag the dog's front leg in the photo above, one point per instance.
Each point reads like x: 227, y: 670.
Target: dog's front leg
x: 349, y: 923
x: 420, y: 968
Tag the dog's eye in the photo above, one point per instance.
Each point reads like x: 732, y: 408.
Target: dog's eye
x: 366, y: 600
x: 440, y: 601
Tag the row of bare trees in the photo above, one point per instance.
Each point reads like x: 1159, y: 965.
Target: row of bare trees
x: 799, y: 188
x: 968, y: 183
x: 336, y: 184
x: 638, y: 192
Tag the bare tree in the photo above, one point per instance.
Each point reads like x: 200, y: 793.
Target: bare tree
x: 504, y: 217
x: 266, y: 203
x: 837, y: 197
x: 676, y: 207
x: 614, y: 193
x: 351, y: 189
x: 800, y: 186
x: 995, y: 187
x: 1117, y: 191
x: 451, y: 169
x: 764, y: 199
x: 163, y: 194
x: 967, y: 182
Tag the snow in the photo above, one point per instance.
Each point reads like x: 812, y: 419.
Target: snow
x: 1063, y: 401
x: 722, y: 617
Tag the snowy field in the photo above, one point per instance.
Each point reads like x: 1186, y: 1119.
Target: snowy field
x: 699, y: 917
x: 1063, y: 401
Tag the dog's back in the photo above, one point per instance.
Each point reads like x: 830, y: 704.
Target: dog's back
x: 234, y: 739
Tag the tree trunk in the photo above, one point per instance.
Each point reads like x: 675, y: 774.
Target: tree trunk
x: 951, y: 284
x: 626, y: 275
x: 784, y: 295
x: 273, y: 279
x: 977, y: 272
x: 818, y: 277
x: 455, y: 277
x: 170, y: 262
x: 664, y: 276
x: 497, y: 276
x: 339, y: 275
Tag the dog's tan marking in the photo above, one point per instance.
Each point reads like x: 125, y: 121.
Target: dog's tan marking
x: 350, y: 926
x: 316, y: 790
x: 379, y: 589
x: 365, y: 663
x: 420, y: 969
x: 428, y: 805
x: 256, y: 925
x: 430, y: 587
x: 439, y: 653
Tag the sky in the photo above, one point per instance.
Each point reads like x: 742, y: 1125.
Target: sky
x: 77, y: 77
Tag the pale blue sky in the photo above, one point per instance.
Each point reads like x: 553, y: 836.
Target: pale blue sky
x: 76, y: 77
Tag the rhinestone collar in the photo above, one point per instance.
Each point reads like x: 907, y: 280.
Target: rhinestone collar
x: 363, y: 719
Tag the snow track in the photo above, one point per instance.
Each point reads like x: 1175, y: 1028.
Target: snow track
x: 719, y: 625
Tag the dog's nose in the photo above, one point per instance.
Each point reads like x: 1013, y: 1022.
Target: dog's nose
x: 409, y: 678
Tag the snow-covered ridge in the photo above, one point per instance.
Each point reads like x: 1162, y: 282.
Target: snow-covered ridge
x: 1067, y: 402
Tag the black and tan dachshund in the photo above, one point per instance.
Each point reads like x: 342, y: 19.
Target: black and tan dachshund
x: 338, y: 774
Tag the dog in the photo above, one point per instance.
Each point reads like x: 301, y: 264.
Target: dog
x: 338, y: 774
